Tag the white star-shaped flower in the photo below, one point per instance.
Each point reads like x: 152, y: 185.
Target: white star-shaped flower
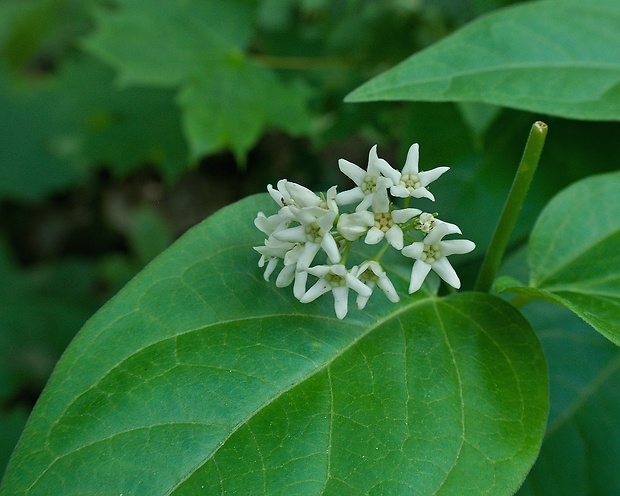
x: 371, y: 273
x: 314, y: 233
x: 338, y: 280
x: 386, y: 222
x: 432, y: 254
x: 377, y: 175
x: 414, y: 183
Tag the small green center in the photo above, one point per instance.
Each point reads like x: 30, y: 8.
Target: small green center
x: 410, y: 181
x: 369, y: 275
x: 334, y: 280
x: 384, y: 221
x: 431, y: 253
x: 369, y: 185
x: 313, y: 233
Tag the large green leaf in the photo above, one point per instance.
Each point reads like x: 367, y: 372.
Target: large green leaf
x: 579, y: 453
x: 573, y: 253
x: 200, y: 376
x: 555, y: 57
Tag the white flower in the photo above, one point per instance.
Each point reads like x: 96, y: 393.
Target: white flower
x: 338, y: 280
x: 271, y: 224
x: 426, y: 222
x: 414, y: 183
x: 371, y: 273
x: 352, y: 226
x: 378, y: 174
x: 385, y: 222
x: 432, y: 252
x: 314, y: 232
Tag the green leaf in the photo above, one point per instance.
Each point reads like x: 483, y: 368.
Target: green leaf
x: 53, y: 131
x: 573, y: 253
x: 553, y: 57
x: 579, y: 453
x: 198, y: 47
x: 232, y: 106
x: 201, y: 376
x: 165, y: 45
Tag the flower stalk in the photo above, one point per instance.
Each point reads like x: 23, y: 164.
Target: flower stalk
x: 512, y: 207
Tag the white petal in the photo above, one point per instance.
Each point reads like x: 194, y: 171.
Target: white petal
x: 388, y: 288
x: 319, y: 270
x: 414, y: 250
x: 387, y: 170
x: 285, y: 277
x: 295, y: 234
x: 380, y: 201
x: 428, y: 177
x: 446, y: 272
x: 361, y: 301
x: 374, y: 236
x: 413, y: 157
x: 422, y: 193
x: 352, y: 171
x: 330, y: 247
x: 394, y: 236
x: 320, y: 288
x: 307, y: 215
x: 365, y: 203
x: 341, y: 301
x: 456, y: 247
x: 352, y: 226
x: 440, y: 230
x: 299, y: 288
x: 302, y: 195
x: 307, y: 256
x: 405, y: 214
x: 399, y: 191
x: 270, y: 268
x: 349, y: 196
x: 418, y: 273
x: 326, y: 220
x: 357, y: 285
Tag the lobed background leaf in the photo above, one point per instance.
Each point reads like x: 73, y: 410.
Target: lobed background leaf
x: 553, y: 57
x: 198, y: 47
x: 199, y: 375
x: 573, y: 253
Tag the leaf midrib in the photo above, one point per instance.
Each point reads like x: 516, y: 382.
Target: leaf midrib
x: 252, y: 414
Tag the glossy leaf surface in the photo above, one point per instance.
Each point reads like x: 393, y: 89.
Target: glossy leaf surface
x: 573, y: 253
x: 199, y: 375
x: 583, y: 428
x: 553, y: 57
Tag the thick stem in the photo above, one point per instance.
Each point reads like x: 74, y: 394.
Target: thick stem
x: 512, y: 207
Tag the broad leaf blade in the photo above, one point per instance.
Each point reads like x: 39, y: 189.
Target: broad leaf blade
x: 167, y: 43
x: 578, y: 456
x: 200, y: 375
x: 573, y: 253
x: 554, y: 57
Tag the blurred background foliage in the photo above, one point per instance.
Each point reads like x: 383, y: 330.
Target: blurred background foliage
x: 125, y: 122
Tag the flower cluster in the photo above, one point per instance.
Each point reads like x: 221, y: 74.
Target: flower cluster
x: 308, y: 224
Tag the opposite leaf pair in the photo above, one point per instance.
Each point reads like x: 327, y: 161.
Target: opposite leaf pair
x: 308, y: 224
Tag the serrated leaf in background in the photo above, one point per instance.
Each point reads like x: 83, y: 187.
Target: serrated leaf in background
x: 198, y: 47
x: 553, y: 57
x: 234, y: 103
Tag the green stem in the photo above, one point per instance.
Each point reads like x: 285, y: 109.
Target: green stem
x: 512, y: 207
